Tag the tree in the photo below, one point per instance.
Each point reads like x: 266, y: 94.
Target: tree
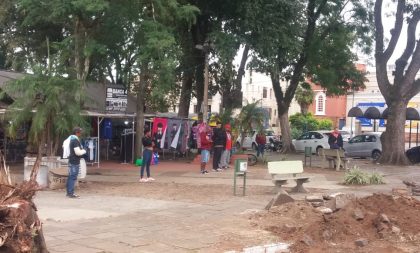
x: 311, y: 39
x: 304, y: 96
x: 405, y: 84
x: 250, y: 118
x: 42, y: 100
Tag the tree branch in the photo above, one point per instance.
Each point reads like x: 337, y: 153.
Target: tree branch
x: 412, y: 71
x: 401, y: 63
x: 396, y: 32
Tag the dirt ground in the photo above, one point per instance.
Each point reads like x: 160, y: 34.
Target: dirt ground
x: 298, y: 223
x: 314, y: 232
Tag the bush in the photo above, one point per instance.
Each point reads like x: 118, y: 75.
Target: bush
x: 359, y: 177
x: 296, y: 133
x: 356, y: 176
x: 325, y: 124
x: 304, y: 123
x: 376, y: 178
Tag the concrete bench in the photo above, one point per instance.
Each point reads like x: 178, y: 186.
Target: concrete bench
x: 282, y: 171
x: 335, y: 156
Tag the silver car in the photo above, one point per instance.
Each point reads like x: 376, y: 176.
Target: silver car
x: 364, y: 145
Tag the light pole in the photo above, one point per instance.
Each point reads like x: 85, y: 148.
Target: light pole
x: 351, y: 118
x: 125, y: 142
x: 205, y: 48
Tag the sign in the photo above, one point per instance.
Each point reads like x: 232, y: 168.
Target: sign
x: 243, y: 166
x: 116, y: 99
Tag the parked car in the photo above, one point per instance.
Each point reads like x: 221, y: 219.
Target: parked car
x: 413, y: 154
x: 314, y: 139
x: 364, y: 145
x: 250, y: 139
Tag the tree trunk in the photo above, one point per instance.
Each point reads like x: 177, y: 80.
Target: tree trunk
x: 393, y: 139
x: 140, y: 108
x: 199, y: 81
x: 286, y: 133
x: 304, y: 108
x: 185, y: 98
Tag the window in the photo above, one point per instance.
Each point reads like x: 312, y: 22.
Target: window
x: 271, y: 93
x: 320, y: 104
x: 305, y: 136
x: 370, y: 138
x: 196, y: 109
x: 264, y: 92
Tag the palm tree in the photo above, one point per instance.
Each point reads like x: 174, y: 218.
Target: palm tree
x: 304, y: 96
x: 251, y: 117
x: 52, y: 106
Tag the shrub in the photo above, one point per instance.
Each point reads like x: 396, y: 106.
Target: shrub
x: 296, y: 133
x: 359, y: 177
x: 356, y: 176
x: 325, y: 124
x: 376, y: 178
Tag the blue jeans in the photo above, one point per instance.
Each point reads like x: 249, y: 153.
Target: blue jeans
x: 147, y: 159
x: 260, y: 150
x: 72, y: 178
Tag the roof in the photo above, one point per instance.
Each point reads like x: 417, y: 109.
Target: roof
x: 96, y: 91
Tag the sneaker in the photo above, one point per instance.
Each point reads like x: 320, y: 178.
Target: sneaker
x: 143, y: 180
x: 73, y: 196
x: 150, y: 179
x: 217, y: 170
x: 204, y: 172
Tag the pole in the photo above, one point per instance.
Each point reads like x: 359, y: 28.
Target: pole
x: 132, y: 143
x: 417, y: 135
x: 351, y: 119
x: 206, y: 84
x: 409, y: 137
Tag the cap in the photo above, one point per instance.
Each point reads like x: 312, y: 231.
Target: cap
x: 227, y: 127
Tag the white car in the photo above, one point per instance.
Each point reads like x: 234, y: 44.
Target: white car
x: 250, y: 139
x: 314, y: 139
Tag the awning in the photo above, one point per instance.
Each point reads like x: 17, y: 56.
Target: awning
x: 374, y: 112
x: 369, y: 112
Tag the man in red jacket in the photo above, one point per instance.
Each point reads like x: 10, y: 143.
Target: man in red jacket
x: 261, y: 141
x: 206, y: 143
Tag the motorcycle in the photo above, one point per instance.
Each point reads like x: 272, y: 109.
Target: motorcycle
x: 273, y: 145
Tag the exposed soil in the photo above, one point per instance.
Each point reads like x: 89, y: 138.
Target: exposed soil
x: 311, y: 231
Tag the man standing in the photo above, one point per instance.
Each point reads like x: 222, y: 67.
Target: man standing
x: 219, y: 142
x: 76, y: 153
x: 225, y: 160
x: 206, y: 142
x: 335, y: 140
x: 261, y: 141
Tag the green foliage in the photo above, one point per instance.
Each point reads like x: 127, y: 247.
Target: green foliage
x: 358, y: 177
x: 304, y: 95
x: 296, y: 132
x: 306, y: 122
x: 52, y: 106
x: 325, y: 124
x: 251, y: 117
x: 376, y: 178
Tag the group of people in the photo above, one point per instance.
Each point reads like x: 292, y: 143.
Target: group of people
x: 219, y: 140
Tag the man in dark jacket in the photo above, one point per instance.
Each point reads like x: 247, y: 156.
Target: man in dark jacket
x: 76, y: 153
x: 219, y: 142
x: 335, y: 140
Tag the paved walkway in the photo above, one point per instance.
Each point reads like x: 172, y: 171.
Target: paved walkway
x: 103, y: 223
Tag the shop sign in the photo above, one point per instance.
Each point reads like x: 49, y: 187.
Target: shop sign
x: 116, y: 99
